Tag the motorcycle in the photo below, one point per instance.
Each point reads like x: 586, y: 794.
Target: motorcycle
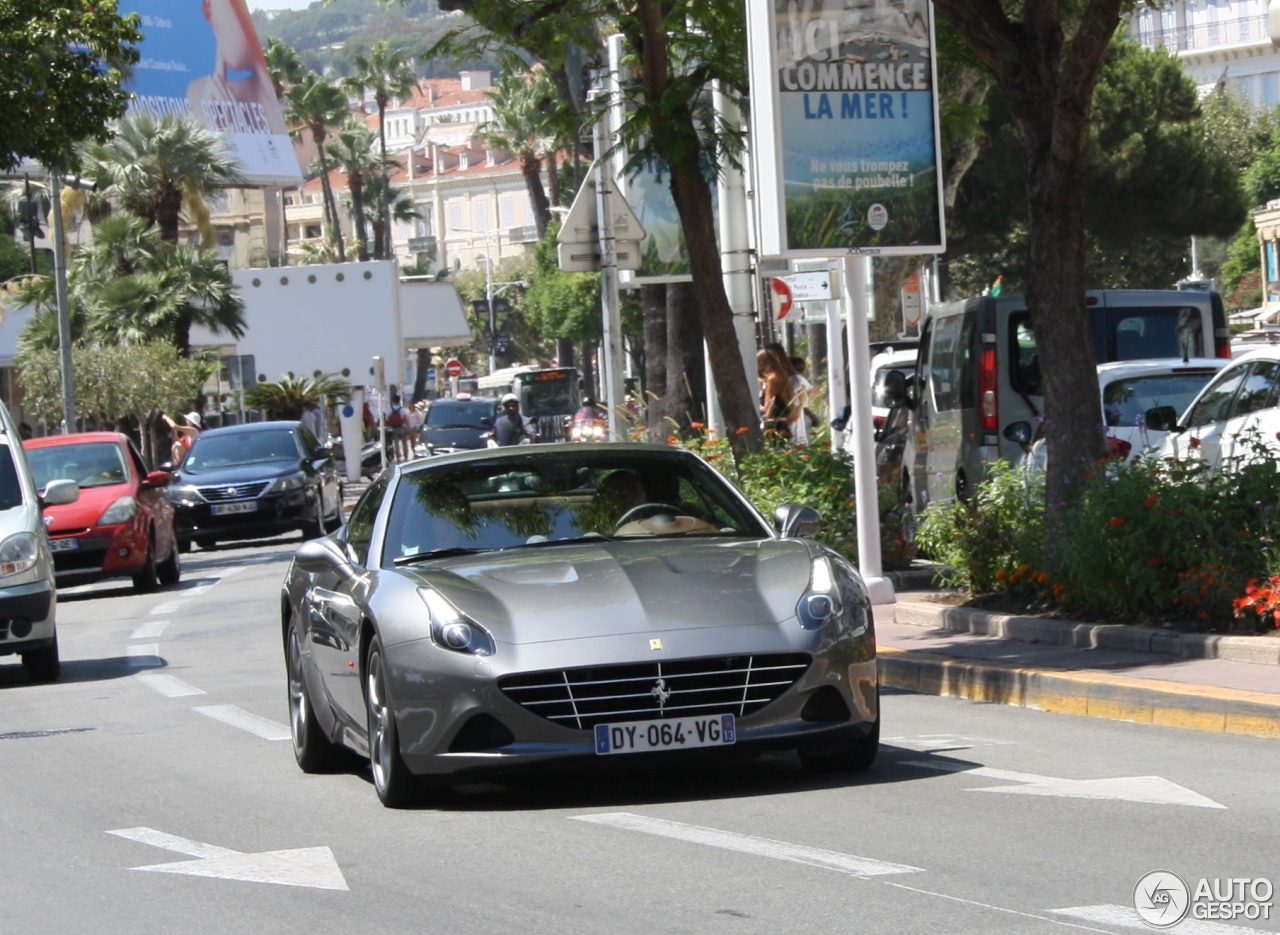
x: 589, y: 425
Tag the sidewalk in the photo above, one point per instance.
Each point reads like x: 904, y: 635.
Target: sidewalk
x: 1227, y: 684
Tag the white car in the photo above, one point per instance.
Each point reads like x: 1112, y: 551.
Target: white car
x: 28, y: 597
x: 903, y: 359
x: 1235, y: 417
x: 1129, y: 388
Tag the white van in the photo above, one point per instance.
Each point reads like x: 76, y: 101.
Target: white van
x: 27, y: 595
x: 979, y: 372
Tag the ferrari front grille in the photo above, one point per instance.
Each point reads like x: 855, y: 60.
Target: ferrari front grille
x: 582, y: 698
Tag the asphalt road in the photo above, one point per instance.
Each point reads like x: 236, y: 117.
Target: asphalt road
x: 153, y: 790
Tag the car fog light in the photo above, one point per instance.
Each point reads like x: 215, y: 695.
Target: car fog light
x: 124, y: 553
x: 19, y: 628
x: 456, y: 635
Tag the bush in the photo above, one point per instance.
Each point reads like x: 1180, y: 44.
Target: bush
x: 817, y: 477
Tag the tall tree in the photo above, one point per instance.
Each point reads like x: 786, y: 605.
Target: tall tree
x: 352, y: 149
x: 60, y: 76
x: 388, y: 74
x: 680, y: 47
x: 314, y: 106
x: 1047, y: 66
x: 520, y: 126
x: 153, y: 166
x: 285, y: 64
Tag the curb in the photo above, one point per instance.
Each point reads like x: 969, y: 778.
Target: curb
x: 1119, y: 636
x: 1144, y: 701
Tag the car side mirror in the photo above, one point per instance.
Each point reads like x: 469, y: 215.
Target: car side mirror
x: 168, y: 466
x: 797, y: 521
x: 60, y: 493
x: 319, y: 555
x: 1019, y: 432
x: 157, y: 478
x: 486, y: 420
x: 895, y: 388
x: 1162, y: 418
x: 322, y: 452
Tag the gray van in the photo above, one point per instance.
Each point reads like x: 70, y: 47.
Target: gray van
x: 979, y: 372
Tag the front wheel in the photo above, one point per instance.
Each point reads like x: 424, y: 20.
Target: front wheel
x: 170, y: 570
x: 43, y: 664
x: 845, y: 759
x: 314, y: 752
x: 315, y: 528
x: 395, y: 785
x: 145, y: 579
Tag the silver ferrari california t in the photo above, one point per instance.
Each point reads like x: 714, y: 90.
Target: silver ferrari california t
x: 516, y: 606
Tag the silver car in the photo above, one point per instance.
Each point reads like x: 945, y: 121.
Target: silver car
x: 508, y: 607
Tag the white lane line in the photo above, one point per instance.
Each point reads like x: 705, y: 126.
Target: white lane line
x: 168, y: 607
x: 143, y: 654
x: 1127, y: 917
x: 150, y: 630
x: 167, y: 685
x: 246, y: 720
x: 746, y: 844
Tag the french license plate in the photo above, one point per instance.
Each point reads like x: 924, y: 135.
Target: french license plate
x: 222, y: 509
x: 64, y: 545
x: 682, y: 733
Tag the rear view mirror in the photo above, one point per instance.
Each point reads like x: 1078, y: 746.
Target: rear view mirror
x: 1019, y: 432
x: 895, y: 388
x: 795, y: 521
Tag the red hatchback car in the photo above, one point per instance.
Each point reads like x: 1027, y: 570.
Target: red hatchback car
x: 122, y: 525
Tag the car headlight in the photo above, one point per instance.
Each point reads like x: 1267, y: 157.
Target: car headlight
x: 451, y: 630
x: 126, y: 508
x: 18, y: 554
x: 183, y: 493
x: 288, y: 482
x: 835, y: 599
x: 820, y: 601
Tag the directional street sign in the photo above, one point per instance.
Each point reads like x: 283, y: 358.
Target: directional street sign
x: 312, y: 867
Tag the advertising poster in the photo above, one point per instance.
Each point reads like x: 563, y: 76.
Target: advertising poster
x: 205, y: 59
x: 849, y: 103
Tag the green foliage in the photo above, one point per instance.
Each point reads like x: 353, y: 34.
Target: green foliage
x: 112, y: 383
x: 991, y: 536
x: 815, y: 476
x: 288, y: 397
x: 1241, y: 280
x: 560, y: 304
x: 1147, y: 540
x: 60, y: 75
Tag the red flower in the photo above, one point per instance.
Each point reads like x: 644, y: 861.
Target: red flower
x: 1151, y: 500
x: 1117, y: 521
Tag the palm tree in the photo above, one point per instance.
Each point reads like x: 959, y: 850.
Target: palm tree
x: 352, y: 149
x: 315, y: 105
x: 387, y: 73
x: 152, y: 166
x: 521, y: 126
x: 287, y: 68
x: 400, y: 207
x: 289, y: 397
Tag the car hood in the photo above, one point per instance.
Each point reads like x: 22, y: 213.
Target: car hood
x: 238, y: 473
x: 85, y: 511
x: 625, y: 586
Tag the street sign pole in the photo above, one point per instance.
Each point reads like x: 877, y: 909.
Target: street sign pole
x: 64, y: 311
x: 613, y: 382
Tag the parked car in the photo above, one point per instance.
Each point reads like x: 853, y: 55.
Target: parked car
x: 255, y: 480
x: 979, y: 373
x: 901, y: 359
x: 458, y: 424
x: 528, y: 604
x: 122, y: 525
x: 28, y: 591
x: 1234, y: 419
x: 1128, y: 389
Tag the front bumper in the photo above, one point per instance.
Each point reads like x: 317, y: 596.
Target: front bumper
x: 26, y: 617
x: 99, y: 552
x: 272, y: 514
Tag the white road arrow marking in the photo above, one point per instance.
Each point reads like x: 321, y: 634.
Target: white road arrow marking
x: 746, y: 844
x: 1127, y: 917
x: 167, y: 685
x: 1152, y: 790
x: 312, y: 867
x: 263, y: 727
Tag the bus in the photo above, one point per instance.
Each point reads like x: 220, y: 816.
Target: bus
x: 550, y: 397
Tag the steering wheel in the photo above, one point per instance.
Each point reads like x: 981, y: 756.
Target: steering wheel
x: 643, y: 511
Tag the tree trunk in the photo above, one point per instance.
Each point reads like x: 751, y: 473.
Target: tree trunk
x: 330, y: 203
x: 686, y: 397
x: 356, y: 184
x: 653, y: 304
x: 553, y: 178
x: 382, y: 245
x: 531, y: 169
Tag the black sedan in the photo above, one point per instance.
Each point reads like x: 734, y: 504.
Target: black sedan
x: 251, y: 481
x: 459, y: 424
x: 507, y: 607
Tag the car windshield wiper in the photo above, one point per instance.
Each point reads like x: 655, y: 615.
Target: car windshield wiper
x: 436, y: 553
x: 589, y: 537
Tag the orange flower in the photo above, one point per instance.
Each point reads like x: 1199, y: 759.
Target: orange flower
x: 1088, y: 475
x: 742, y: 430
x: 1194, y: 443
x: 1117, y: 521
x: 1154, y: 560
x: 1151, y: 500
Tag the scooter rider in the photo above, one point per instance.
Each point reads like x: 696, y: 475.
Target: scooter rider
x: 511, y: 427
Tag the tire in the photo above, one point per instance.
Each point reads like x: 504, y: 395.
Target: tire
x: 144, y: 579
x: 395, y: 785
x: 846, y: 759
x: 43, y: 665
x: 184, y: 546
x: 314, y: 752
x: 207, y: 544
x: 170, y: 570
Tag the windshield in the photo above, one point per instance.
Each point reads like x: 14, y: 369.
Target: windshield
x: 542, y: 500
x: 90, y: 464
x: 253, y: 447
x: 548, y: 392
x: 1125, y: 402
x: 460, y: 414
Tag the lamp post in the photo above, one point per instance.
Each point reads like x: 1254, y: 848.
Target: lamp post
x: 489, y: 285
